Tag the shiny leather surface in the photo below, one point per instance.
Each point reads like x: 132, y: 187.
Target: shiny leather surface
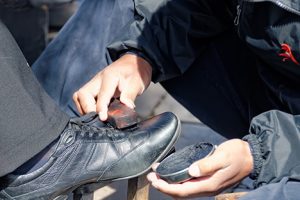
x: 87, y: 153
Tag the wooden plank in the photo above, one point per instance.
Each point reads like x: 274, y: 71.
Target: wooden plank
x: 230, y: 196
x: 138, y: 188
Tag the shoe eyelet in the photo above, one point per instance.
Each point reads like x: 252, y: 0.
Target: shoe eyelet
x: 116, y: 134
x: 69, y: 138
x: 122, y: 134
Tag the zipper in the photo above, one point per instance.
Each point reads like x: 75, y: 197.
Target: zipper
x: 238, y: 13
x: 278, y: 3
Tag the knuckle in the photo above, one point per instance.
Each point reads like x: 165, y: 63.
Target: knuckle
x: 107, y: 73
x: 80, y: 92
x: 75, y: 96
x: 85, y: 107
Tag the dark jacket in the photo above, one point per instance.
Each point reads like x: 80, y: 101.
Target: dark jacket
x: 171, y: 34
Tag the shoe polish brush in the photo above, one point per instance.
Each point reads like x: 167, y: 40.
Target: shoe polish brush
x: 120, y: 116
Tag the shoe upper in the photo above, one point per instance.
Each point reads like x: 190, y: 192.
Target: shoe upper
x: 88, y: 153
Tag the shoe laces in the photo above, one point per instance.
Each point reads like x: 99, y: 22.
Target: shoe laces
x: 87, y: 126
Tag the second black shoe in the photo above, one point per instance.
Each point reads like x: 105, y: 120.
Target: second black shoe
x: 87, y: 154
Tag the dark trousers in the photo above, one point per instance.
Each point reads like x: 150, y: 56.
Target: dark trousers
x: 29, y: 118
x: 28, y: 25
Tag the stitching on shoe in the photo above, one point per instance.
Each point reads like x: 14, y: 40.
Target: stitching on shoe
x: 122, y: 157
x: 6, y: 195
x: 43, y: 186
x: 91, y: 156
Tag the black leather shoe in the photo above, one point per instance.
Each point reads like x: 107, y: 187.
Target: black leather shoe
x: 87, y: 154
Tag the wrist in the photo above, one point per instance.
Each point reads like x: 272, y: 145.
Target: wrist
x: 248, y: 157
x: 136, y: 61
x: 138, y: 65
x: 255, y: 150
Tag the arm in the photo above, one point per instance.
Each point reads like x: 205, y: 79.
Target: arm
x: 275, y: 144
x: 227, y: 166
x: 171, y: 34
x: 272, y: 152
x: 166, y: 36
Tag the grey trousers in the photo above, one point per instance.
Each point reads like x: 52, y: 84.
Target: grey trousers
x: 29, y: 119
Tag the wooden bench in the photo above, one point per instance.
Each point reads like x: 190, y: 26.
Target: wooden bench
x: 138, y: 189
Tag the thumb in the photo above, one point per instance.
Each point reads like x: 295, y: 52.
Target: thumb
x: 206, y: 166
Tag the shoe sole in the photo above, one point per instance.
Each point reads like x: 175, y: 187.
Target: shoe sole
x: 84, y: 187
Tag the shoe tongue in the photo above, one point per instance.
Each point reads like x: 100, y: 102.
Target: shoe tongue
x: 89, y: 118
x: 99, y: 124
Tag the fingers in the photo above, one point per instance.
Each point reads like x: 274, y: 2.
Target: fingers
x: 154, y: 166
x: 129, y: 93
x: 127, y: 77
x: 108, y: 87
x: 199, y: 187
x: 84, y: 98
x: 208, y: 165
x: 84, y: 102
x: 224, y: 168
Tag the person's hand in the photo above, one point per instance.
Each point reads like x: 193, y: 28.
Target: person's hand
x: 126, y: 78
x: 229, y: 164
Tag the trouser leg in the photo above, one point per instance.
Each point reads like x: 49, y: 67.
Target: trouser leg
x: 28, y: 25
x: 285, y: 189
x: 79, y: 50
x: 223, y: 88
x: 29, y: 119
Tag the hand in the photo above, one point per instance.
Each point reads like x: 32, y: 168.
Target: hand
x: 126, y: 78
x: 229, y: 164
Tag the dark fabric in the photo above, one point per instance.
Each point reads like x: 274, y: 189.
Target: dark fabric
x: 278, y: 134
x: 29, y: 119
x: 256, y: 154
x: 285, y: 189
x: 29, y: 27
x: 173, y: 34
x: 38, y: 161
x: 223, y: 90
x: 16, y: 4
x: 275, y: 39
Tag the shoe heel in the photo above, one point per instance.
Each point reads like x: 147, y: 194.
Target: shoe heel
x: 61, y: 197
x: 89, y: 188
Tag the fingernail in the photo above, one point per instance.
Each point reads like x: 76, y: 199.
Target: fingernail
x: 194, y: 171
x: 131, y: 104
x: 154, y: 166
x: 103, y: 116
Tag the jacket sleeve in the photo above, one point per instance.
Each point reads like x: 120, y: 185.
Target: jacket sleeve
x: 171, y: 34
x: 275, y: 144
